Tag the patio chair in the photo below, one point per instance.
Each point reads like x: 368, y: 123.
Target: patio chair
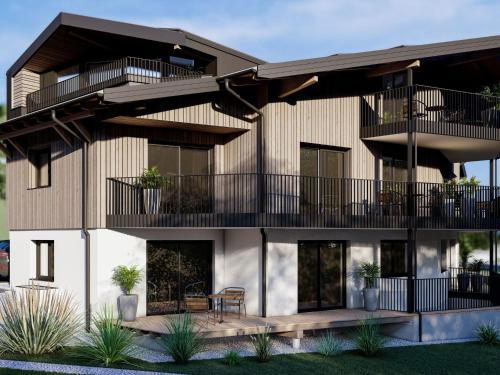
x: 199, y: 304
x: 236, y: 299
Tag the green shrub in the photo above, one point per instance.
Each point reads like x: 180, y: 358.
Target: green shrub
x: 183, y: 341
x: 126, y: 278
x: 367, y: 338
x: 368, y: 272
x: 263, y: 345
x: 107, y: 342
x: 151, y: 178
x: 36, y: 322
x: 232, y: 358
x: 329, y: 345
x: 487, y: 334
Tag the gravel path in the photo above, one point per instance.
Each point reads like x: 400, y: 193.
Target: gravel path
x: 70, y: 369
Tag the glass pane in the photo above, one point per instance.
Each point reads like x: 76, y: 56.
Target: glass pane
x: 166, y: 158
x: 195, y: 269
x: 162, y: 278
x: 387, y: 169
x: 308, y: 162
x: 309, y: 182
x: 393, y: 258
x: 195, y: 161
x: 332, y: 168
x: 307, y: 276
x: 331, y: 163
x: 44, y: 259
x: 331, y: 271
x: 400, y: 170
x: 44, y: 168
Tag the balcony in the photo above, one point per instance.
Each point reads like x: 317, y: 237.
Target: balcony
x: 118, y: 72
x: 252, y: 200
x: 446, y: 119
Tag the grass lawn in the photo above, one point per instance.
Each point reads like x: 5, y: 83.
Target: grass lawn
x: 466, y: 358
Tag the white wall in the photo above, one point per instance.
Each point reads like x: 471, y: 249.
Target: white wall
x: 242, y: 265
x: 69, y: 260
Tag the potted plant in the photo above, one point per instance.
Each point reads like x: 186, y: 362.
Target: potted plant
x: 151, y: 182
x: 463, y: 277
x: 468, y: 196
x: 477, y: 280
x: 127, y: 278
x: 450, y: 196
x: 491, y: 115
x: 369, y: 273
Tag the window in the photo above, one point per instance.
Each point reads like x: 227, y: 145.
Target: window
x: 393, y: 258
x: 394, y: 80
x: 182, y: 62
x: 40, y: 168
x: 394, y: 169
x: 180, y: 160
x: 45, y: 260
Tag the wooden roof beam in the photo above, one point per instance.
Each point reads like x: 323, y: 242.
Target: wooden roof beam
x: 292, y: 85
x: 83, y: 131
x: 393, y: 68
x: 63, y: 135
x: 18, y: 147
x: 5, y: 150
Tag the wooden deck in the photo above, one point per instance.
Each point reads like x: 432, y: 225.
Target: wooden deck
x: 232, y: 326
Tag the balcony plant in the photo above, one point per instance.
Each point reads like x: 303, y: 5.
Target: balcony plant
x: 450, y: 197
x: 369, y: 273
x: 151, y: 182
x: 127, y: 279
x: 491, y: 116
x: 477, y: 280
x: 468, y: 188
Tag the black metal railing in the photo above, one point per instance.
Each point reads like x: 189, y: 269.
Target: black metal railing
x: 466, y: 290
x: 127, y: 69
x: 433, y: 110
x: 252, y: 200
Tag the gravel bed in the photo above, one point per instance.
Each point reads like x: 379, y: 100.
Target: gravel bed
x: 216, y: 348
x: 71, y: 369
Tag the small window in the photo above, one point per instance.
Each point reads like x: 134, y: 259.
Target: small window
x: 40, y: 168
x: 45, y: 260
x: 444, y: 255
x: 393, y: 258
x: 182, y: 62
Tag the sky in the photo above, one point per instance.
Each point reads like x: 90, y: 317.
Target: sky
x: 272, y: 30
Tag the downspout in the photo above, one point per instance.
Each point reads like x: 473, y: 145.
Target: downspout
x: 86, y: 234
x: 260, y: 176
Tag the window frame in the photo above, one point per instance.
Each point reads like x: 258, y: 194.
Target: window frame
x: 392, y: 273
x: 50, y: 260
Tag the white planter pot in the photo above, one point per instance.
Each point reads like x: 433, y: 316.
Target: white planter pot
x: 449, y: 207
x: 371, y: 296
x: 127, y: 307
x: 468, y: 206
x: 152, y: 199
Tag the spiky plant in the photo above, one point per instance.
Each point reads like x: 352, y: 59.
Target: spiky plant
x: 329, y: 345
x: 107, y: 342
x: 263, y: 345
x: 488, y: 334
x: 232, y: 358
x: 36, y: 322
x: 183, y: 340
x: 367, y: 338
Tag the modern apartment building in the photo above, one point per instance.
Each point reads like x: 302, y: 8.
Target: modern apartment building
x: 281, y: 178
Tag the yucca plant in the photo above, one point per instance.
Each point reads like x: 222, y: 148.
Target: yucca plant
x: 232, y: 358
x: 107, y: 342
x: 488, y: 334
x: 367, y: 338
x: 183, y: 340
x: 263, y: 345
x: 329, y: 345
x: 36, y: 322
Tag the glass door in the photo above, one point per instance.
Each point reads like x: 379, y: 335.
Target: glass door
x: 173, y: 269
x: 321, y: 275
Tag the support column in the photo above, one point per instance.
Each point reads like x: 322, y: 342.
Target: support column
x: 411, y: 202
x: 492, y: 233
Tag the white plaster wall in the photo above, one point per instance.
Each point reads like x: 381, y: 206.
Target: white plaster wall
x: 242, y: 265
x: 69, y: 260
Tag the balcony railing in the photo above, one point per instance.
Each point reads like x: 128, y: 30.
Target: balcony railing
x: 463, y: 290
x: 252, y: 200
x: 127, y: 69
x: 433, y: 110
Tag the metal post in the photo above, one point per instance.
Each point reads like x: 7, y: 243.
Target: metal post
x: 492, y: 233
x: 411, y: 187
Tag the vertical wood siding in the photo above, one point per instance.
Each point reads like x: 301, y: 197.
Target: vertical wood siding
x: 23, y: 83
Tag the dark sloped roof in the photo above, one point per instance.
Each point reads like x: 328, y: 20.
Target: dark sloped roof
x: 362, y: 59
x: 124, y: 94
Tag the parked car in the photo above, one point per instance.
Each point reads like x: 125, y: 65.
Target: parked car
x: 4, y: 260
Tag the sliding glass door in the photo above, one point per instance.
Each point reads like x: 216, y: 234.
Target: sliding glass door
x: 321, y: 275
x: 187, y: 187
x: 173, y: 269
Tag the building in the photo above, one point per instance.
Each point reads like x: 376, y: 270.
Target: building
x: 281, y: 178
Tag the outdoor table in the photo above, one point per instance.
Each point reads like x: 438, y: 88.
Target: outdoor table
x: 221, y: 297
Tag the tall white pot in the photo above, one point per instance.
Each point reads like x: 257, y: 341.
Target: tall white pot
x: 152, y: 199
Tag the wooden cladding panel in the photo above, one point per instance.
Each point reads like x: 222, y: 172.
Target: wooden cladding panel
x: 23, y: 83
x: 57, y: 206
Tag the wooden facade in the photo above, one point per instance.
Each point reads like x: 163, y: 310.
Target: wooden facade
x: 23, y: 83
